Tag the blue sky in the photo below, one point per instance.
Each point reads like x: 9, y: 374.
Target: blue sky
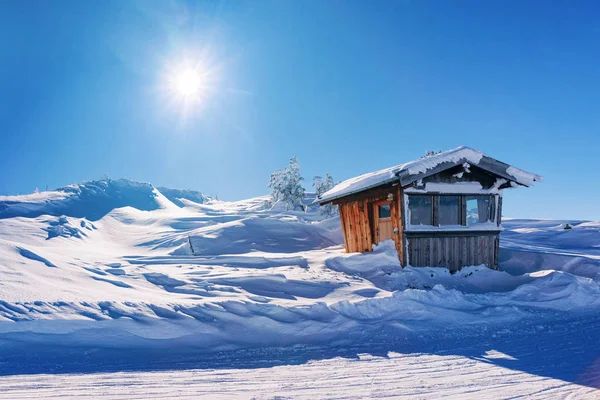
x: 348, y: 87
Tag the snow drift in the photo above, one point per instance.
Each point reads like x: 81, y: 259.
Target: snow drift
x: 120, y: 264
x: 260, y: 234
x: 91, y: 200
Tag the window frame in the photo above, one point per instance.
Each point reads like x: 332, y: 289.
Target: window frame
x: 491, y: 211
x: 381, y: 204
x: 437, y: 209
x: 462, y: 209
x: 409, y: 215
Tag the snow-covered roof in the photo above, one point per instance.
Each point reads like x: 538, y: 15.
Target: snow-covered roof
x: 429, y: 165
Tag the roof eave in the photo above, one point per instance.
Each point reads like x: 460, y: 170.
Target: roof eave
x: 331, y: 199
x: 487, y: 163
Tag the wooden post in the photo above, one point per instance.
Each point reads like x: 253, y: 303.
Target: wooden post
x: 342, y: 211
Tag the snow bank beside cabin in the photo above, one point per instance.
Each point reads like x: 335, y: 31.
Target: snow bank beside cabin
x: 549, y: 288
x: 534, y: 245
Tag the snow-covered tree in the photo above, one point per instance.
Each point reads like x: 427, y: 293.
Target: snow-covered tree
x: 276, y: 184
x: 321, y: 186
x: 317, y: 183
x: 286, y: 185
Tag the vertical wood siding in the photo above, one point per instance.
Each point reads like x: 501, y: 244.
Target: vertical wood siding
x: 453, y: 252
x: 358, y: 221
x: 355, y: 224
x: 396, y: 213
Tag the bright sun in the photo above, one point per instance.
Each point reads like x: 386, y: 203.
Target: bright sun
x: 188, y: 83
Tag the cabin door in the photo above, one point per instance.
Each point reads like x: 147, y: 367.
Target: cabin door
x: 383, y: 221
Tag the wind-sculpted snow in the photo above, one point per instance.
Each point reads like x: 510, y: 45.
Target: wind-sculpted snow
x: 260, y: 234
x: 33, y: 256
x: 93, y: 200
x: 278, y: 286
x: 177, y: 196
x: 142, y: 286
x: 534, y: 245
x: 68, y: 227
x: 580, y: 238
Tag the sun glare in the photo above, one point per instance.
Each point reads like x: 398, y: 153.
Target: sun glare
x: 188, y: 83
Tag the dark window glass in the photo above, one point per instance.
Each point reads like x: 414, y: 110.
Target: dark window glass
x: 479, y: 209
x: 449, y: 210
x: 419, y: 208
x: 384, y: 211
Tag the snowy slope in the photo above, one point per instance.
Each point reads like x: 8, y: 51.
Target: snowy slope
x: 531, y: 245
x: 119, y: 275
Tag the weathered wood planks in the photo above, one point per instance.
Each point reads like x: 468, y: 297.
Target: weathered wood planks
x: 355, y: 225
x: 453, y: 251
x: 359, y: 219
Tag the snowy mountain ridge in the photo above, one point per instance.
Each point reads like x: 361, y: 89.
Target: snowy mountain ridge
x: 94, y: 199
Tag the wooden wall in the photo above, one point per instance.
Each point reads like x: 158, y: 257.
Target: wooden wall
x: 453, y: 250
x: 358, y: 220
x: 355, y: 226
x: 397, y: 225
x: 439, y: 248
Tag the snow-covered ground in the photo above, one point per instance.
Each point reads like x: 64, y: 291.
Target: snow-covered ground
x: 116, y: 288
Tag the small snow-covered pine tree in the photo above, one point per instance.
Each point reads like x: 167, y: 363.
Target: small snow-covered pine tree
x: 275, y: 184
x: 321, y: 186
x: 286, y: 185
x: 317, y: 184
x: 296, y: 191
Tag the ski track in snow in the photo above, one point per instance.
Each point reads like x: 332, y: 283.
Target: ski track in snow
x: 115, y: 289
x: 408, y: 376
x: 462, y: 371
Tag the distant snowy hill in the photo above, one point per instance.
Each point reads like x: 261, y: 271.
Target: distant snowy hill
x: 178, y: 196
x: 93, y: 200
x: 103, y: 271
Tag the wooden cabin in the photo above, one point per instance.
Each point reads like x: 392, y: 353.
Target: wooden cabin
x: 440, y: 210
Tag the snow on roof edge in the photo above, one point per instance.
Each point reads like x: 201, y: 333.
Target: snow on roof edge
x: 422, y: 165
x: 523, y: 177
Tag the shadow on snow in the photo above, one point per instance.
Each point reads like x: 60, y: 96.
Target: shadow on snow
x: 568, y: 350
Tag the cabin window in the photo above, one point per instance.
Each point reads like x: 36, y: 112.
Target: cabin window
x: 449, y: 210
x: 384, y: 211
x: 420, y: 210
x: 480, y: 209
